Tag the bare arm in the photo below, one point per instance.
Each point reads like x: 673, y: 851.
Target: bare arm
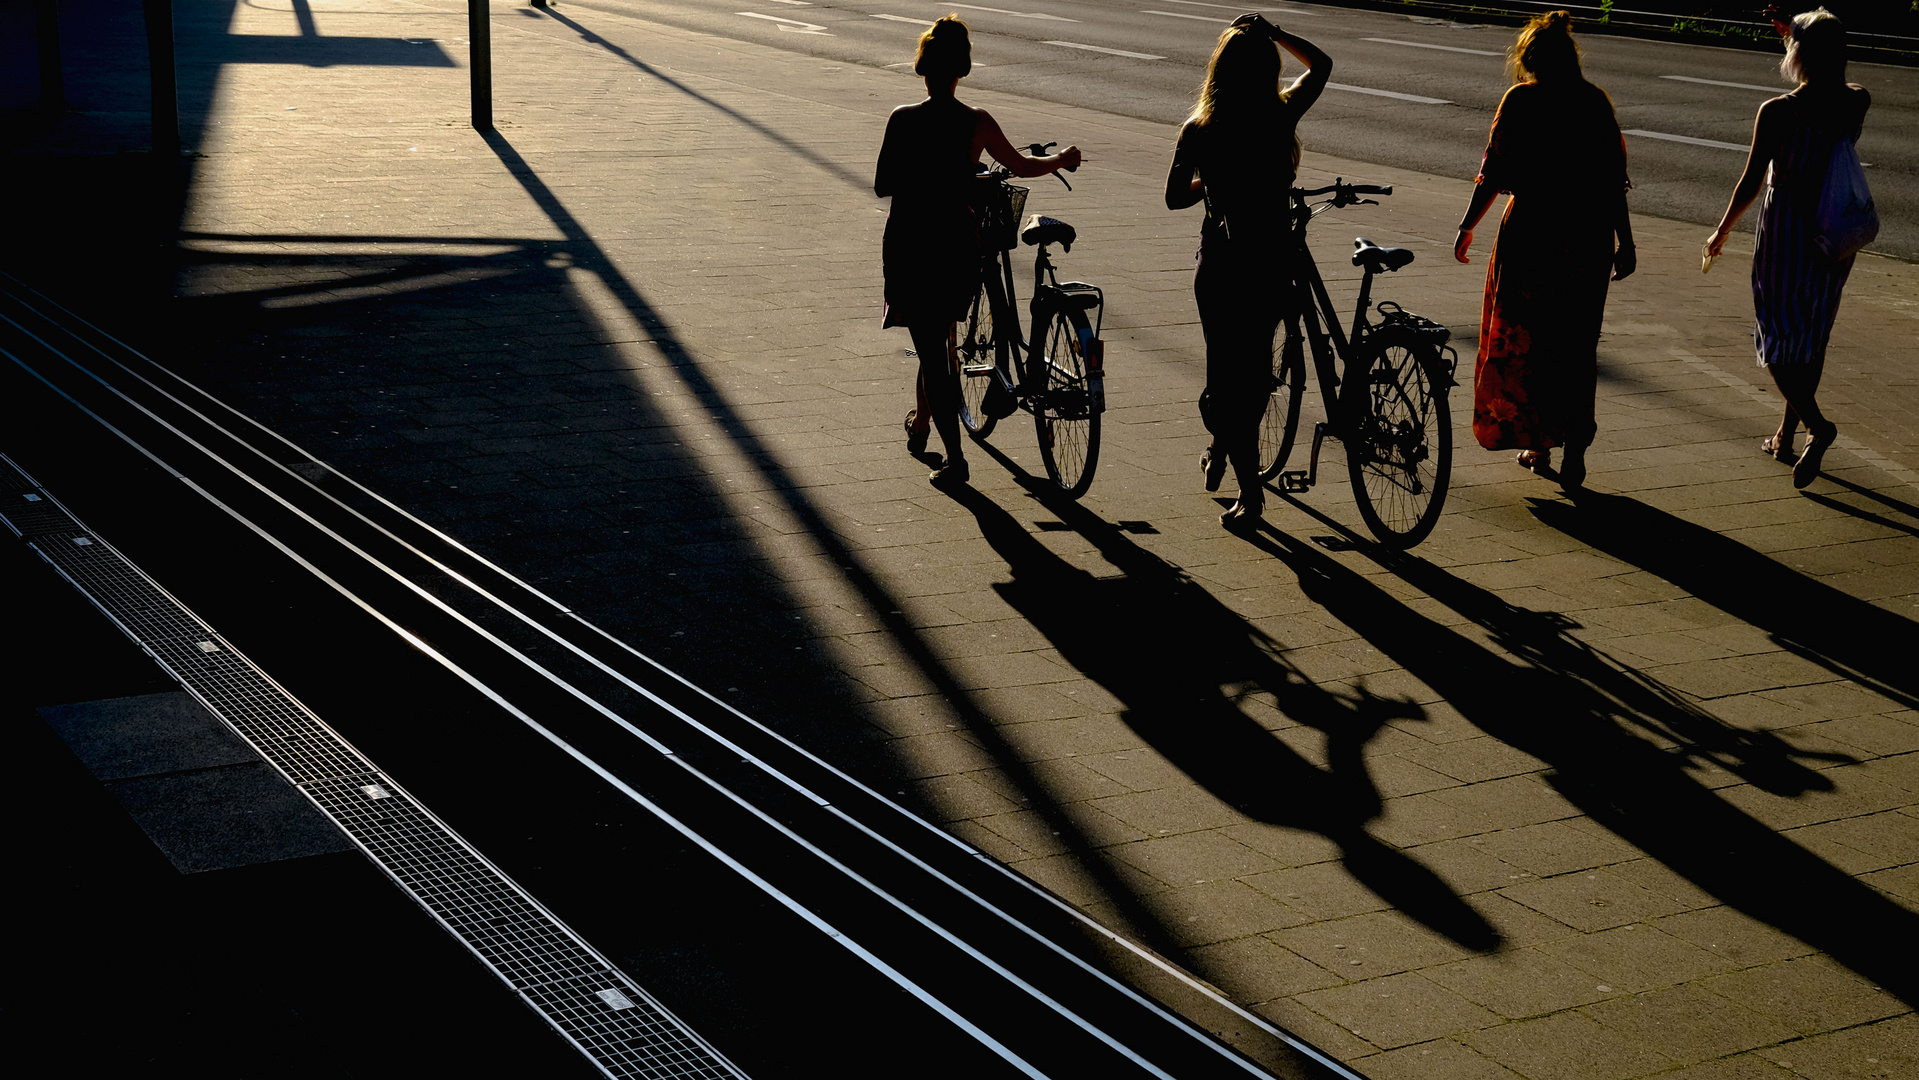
x: 1483, y: 196
x: 1319, y: 67
x: 884, y: 181
x: 1183, y: 187
x: 1626, y: 257
x: 1765, y: 141
x: 988, y: 136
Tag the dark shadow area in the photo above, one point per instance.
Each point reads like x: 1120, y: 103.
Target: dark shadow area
x: 1848, y: 636
x: 1179, y: 660
x: 1603, y: 729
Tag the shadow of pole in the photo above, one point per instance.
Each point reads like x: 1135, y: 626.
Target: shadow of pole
x: 1571, y: 708
x: 830, y: 167
x: 785, y: 487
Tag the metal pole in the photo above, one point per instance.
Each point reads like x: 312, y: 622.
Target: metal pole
x: 480, y: 36
x: 166, y: 99
x: 46, y: 20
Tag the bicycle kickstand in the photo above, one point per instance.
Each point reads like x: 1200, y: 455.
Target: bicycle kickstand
x: 1297, y: 480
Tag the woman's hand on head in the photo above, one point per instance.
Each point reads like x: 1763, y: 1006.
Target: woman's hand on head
x: 1258, y: 22
x: 1462, y: 245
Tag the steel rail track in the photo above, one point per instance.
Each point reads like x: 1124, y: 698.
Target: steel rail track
x: 997, y: 956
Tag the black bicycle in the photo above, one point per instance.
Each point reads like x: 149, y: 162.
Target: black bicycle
x: 1389, y: 411
x: 1057, y: 372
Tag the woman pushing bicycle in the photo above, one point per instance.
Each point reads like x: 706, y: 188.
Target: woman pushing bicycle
x: 931, y: 251
x: 1238, y: 153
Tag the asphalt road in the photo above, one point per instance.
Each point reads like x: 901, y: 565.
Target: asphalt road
x: 1410, y: 92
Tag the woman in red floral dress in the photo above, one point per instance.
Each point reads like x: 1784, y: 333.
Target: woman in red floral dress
x: 1556, y: 148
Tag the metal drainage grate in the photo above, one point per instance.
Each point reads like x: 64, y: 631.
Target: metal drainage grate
x: 618, y: 1026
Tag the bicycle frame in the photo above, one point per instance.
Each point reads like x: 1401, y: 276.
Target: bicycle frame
x: 1311, y: 303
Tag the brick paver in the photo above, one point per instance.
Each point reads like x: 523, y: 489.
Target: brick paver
x: 1602, y: 790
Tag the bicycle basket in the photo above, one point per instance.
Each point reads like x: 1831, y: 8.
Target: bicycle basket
x: 1001, y: 206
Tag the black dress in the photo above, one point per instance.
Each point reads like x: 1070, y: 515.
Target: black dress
x: 931, y: 250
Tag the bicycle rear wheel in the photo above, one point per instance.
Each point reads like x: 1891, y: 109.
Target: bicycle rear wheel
x: 982, y: 350
x: 1399, y: 453
x: 1063, y: 407
x: 1280, y: 426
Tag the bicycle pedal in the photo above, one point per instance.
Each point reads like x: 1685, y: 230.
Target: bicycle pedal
x: 1295, y: 481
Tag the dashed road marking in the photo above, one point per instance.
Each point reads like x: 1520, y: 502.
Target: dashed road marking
x: 1687, y: 139
x: 1734, y: 85
x: 1104, y: 49
x: 1441, y: 48
x: 1396, y: 95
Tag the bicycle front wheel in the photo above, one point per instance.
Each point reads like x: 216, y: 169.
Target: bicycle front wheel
x: 1064, y: 411
x: 982, y: 351
x: 1280, y: 426
x: 1399, y: 451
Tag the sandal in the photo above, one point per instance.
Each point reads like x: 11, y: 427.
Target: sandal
x: 915, y: 440
x: 1807, y: 469
x: 1243, y: 514
x: 1777, y: 449
x: 1213, y: 465
x: 953, y: 472
x: 1535, y: 461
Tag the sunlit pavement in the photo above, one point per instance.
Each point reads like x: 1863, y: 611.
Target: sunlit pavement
x: 1606, y: 787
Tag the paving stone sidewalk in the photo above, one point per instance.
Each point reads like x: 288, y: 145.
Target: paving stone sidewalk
x: 1602, y: 789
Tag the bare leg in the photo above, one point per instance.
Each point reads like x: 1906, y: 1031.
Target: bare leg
x: 939, y: 388
x: 1799, y: 385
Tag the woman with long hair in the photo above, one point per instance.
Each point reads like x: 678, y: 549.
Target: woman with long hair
x: 931, y: 250
x: 1556, y: 148
x: 1238, y: 153
x: 1795, y: 287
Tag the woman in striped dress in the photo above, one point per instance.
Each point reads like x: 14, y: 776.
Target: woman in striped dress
x: 1795, y: 288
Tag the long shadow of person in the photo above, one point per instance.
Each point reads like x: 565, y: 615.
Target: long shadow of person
x: 1605, y: 731
x: 1842, y: 633
x: 1179, y: 660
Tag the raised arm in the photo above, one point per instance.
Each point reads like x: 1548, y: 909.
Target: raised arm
x: 1765, y: 143
x: 1319, y: 67
x: 987, y: 136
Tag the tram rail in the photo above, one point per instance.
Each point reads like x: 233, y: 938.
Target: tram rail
x: 978, y: 945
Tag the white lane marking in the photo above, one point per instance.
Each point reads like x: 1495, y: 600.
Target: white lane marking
x: 791, y: 26
x: 1442, y: 48
x: 1183, y: 15
x: 1387, y: 94
x: 795, y: 3
x: 1687, y: 139
x: 1734, y: 85
x: 1242, y: 7
x: 905, y: 19
x: 1015, y: 14
x: 1103, y: 49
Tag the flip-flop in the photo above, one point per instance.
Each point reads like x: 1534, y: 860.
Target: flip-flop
x: 1535, y: 461
x: 1782, y: 453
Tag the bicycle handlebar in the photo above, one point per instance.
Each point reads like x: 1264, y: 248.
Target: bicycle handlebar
x: 1343, y: 194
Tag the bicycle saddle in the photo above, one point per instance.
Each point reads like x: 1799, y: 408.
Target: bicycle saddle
x: 1377, y: 259
x: 1045, y: 230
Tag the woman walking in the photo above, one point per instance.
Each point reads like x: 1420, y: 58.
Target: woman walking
x: 1238, y: 153
x: 1795, y: 288
x: 1556, y: 149
x: 931, y: 251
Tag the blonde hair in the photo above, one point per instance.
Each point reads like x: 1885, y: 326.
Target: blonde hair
x: 1817, y: 45
x: 1545, y: 49
x: 945, y: 50
x: 1242, y: 80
